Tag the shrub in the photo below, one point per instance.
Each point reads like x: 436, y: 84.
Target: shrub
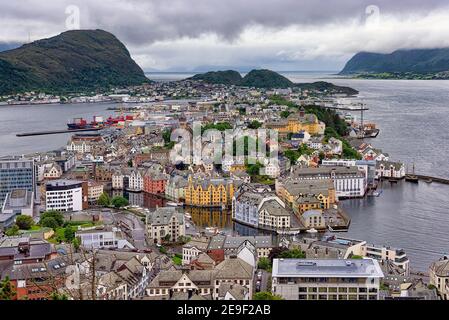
x: 24, y: 222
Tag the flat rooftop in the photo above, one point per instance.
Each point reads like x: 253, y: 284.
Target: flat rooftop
x: 327, y: 268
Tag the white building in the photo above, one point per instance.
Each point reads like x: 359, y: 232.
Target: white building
x: 349, y: 182
x: 79, y: 147
x: 389, y: 169
x: 103, y: 238
x: 326, y: 279
x: 65, y: 195
x: 136, y: 181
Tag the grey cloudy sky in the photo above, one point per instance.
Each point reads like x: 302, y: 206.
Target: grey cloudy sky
x: 281, y: 34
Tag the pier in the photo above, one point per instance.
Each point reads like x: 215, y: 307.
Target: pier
x: 433, y: 179
x: 42, y: 133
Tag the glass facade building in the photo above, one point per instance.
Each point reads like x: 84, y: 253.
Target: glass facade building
x: 16, y: 173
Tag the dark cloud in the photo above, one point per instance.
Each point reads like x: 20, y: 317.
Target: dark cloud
x: 140, y: 21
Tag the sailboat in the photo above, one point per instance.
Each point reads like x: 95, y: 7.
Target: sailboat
x: 412, y: 177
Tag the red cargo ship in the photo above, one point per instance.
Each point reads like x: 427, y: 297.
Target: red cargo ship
x: 97, y: 122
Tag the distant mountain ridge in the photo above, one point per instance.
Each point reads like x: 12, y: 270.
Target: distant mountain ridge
x: 77, y: 60
x: 266, y: 79
x: 400, y: 61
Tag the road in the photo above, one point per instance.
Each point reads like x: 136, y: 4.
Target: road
x: 137, y: 229
x: 264, y: 281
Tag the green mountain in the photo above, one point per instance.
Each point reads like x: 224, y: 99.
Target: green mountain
x: 78, y: 60
x: 265, y: 79
x: 326, y: 86
x: 255, y: 78
x: 421, y: 61
x: 228, y: 77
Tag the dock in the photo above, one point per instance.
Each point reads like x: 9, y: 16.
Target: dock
x: 433, y: 179
x: 42, y: 133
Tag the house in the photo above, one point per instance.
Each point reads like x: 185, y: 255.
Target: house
x: 439, y: 276
x: 165, y: 223
x: 155, y: 181
x: 192, y: 249
x: 389, y: 169
x: 225, y: 280
x: 315, y: 143
x: 301, y: 137
x: 52, y: 172
x: 174, y: 188
x: 230, y: 245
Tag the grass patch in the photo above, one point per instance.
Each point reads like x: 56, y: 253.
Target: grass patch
x: 177, y: 260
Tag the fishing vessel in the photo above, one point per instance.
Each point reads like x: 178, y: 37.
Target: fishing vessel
x: 411, y: 177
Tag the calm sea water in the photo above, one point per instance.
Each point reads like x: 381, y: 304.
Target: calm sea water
x: 413, y: 117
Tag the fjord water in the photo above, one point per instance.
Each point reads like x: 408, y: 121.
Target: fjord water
x: 413, y: 117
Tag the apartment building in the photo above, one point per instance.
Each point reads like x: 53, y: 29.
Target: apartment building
x: 165, y: 223
x: 16, y: 173
x: 66, y: 195
x: 326, y: 279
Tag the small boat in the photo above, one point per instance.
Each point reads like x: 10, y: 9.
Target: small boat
x: 172, y: 204
x: 377, y: 193
x: 312, y: 230
x: 429, y: 180
x: 411, y: 178
x: 187, y: 225
x: 392, y: 180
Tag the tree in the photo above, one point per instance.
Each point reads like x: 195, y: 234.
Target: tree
x: 104, y: 200
x: 56, y: 215
x: 281, y: 252
x: 24, y: 222
x: 292, y: 254
x: 13, y: 231
x: 6, y: 290
x: 254, y: 125
x: 285, y: 114
x: 119, y: 202
x: 49, y: 222
x: 76, y: 243
x: 69, y: 234
x: 264, y: 263
x: 265, y: 295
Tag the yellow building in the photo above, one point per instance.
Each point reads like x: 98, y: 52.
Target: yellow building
x: 297, y: 122
x: 209, y: 192
x: 303, y: 195
x: 237, y: 167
